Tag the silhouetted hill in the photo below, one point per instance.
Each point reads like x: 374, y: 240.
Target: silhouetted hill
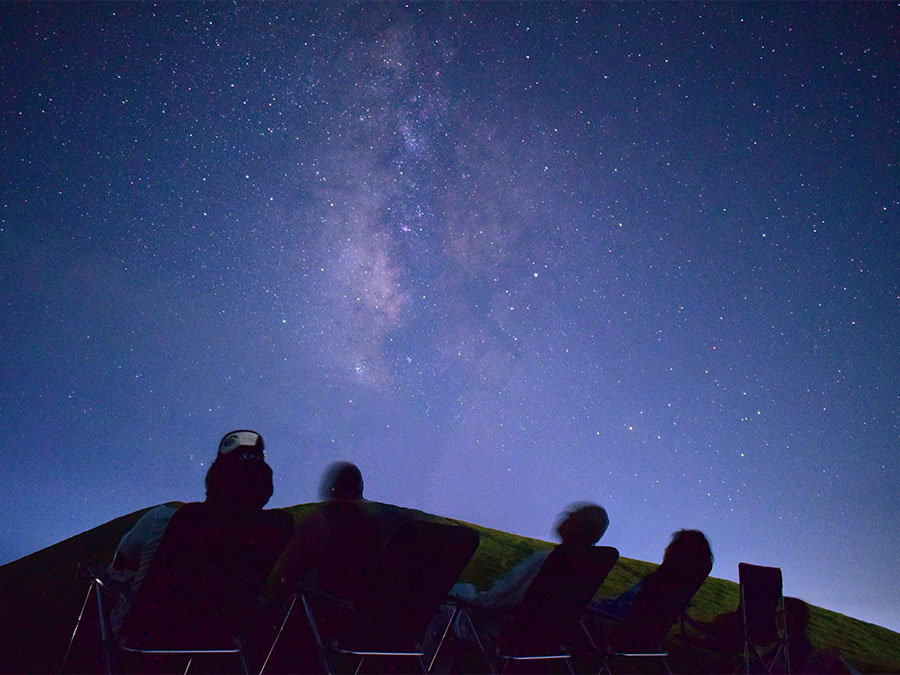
x: 41, y: 598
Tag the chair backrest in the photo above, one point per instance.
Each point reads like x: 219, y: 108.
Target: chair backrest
x: 760, y: 598
x: 665, y: 594
x: 413, y: 575
x: 351, y: 549
x: 205, y: 577
x: 556, y: 598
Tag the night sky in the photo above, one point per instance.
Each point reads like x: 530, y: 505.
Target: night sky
x: 502, y: 256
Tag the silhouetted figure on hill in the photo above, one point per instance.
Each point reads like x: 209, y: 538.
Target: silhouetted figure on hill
x: 724, y: 635
x: 334, y: 548
x: 333, y: 542
x: 688, y: 548
x: 238, y: 479
x: 804, y: 657
x: 582, y: 524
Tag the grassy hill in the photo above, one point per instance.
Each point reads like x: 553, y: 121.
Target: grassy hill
x: 41, y: 598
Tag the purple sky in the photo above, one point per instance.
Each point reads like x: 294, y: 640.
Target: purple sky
x: 504, y: 257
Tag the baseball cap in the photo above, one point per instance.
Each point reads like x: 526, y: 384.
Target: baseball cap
x: 248, y: 444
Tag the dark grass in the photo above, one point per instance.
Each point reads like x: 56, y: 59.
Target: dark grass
x: 41, y: 598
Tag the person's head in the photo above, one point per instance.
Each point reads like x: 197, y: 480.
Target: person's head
x: 582, y: 523
x: 341, y: 481
x: 796, y: 616
x: 239, y: 477
x: 689, y: 546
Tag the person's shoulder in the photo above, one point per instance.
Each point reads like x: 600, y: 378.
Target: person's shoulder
x: 148, y: 526
x: 158, y: 514
x: 393, y: 511
x: 540, y: 555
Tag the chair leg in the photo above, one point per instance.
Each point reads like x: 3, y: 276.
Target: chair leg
x: 321, y: 648
x: 87, y: 598
x: 287, y: 615
x: 441, y: 641
x: 481, y: 648
x: 107, y: 640
x: 245, y: 667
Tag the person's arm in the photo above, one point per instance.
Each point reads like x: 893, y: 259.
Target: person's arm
x: 508, y: 592
x: 123, y: 564
x: 127, y: 558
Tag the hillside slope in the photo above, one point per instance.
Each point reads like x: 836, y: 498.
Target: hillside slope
x: 42, y: 597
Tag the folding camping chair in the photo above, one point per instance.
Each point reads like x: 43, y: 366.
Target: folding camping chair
x: 762, y: 616
x: 201, y: 585
x: 548, y: 615
x: 400, y: 593
x: 664, y: 597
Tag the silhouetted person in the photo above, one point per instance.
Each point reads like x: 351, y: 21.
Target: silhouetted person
x: 688, y: 548
x: 334, y: 548
x: 582, y: 524
x: 805, y: 658
x: 345, y: 532
x: 352, y: 539
x: 238, y: 479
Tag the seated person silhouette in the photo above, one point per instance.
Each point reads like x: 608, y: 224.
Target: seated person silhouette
x: 332, y: 546
x: 581, y: 524
x: 238, y: 479
x: 725, y: 636
x: 334, y: 549
x: 352, y: 538
x: 638, y: 619
x: 688, y: 548
x: 804, y: 657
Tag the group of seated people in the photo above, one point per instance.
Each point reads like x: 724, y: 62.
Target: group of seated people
x: 327, y: 539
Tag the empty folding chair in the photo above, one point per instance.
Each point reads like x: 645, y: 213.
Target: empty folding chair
x: 201, y: 586
x: 547, y: 618
x: 762, y: 616
x: 399, y: 594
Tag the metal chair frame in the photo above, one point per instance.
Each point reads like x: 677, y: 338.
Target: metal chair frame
x: 661, y: 654
x: 462, y: 606
x: 467, y: 608
x: 304, y: 592
x: 100, y: 582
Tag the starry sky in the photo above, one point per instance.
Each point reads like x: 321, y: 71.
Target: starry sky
x: 503, y: 256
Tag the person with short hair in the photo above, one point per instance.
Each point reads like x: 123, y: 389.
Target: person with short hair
x: 341, y: 481
x: 331, y: 544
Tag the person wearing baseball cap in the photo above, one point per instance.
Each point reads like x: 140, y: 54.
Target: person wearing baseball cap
x: 239, y: 479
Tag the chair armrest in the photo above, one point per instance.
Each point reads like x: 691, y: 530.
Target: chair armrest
x: 299, y: 588
x: 99, y: 574
x: 474, y: 607
x: 591, y: 611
